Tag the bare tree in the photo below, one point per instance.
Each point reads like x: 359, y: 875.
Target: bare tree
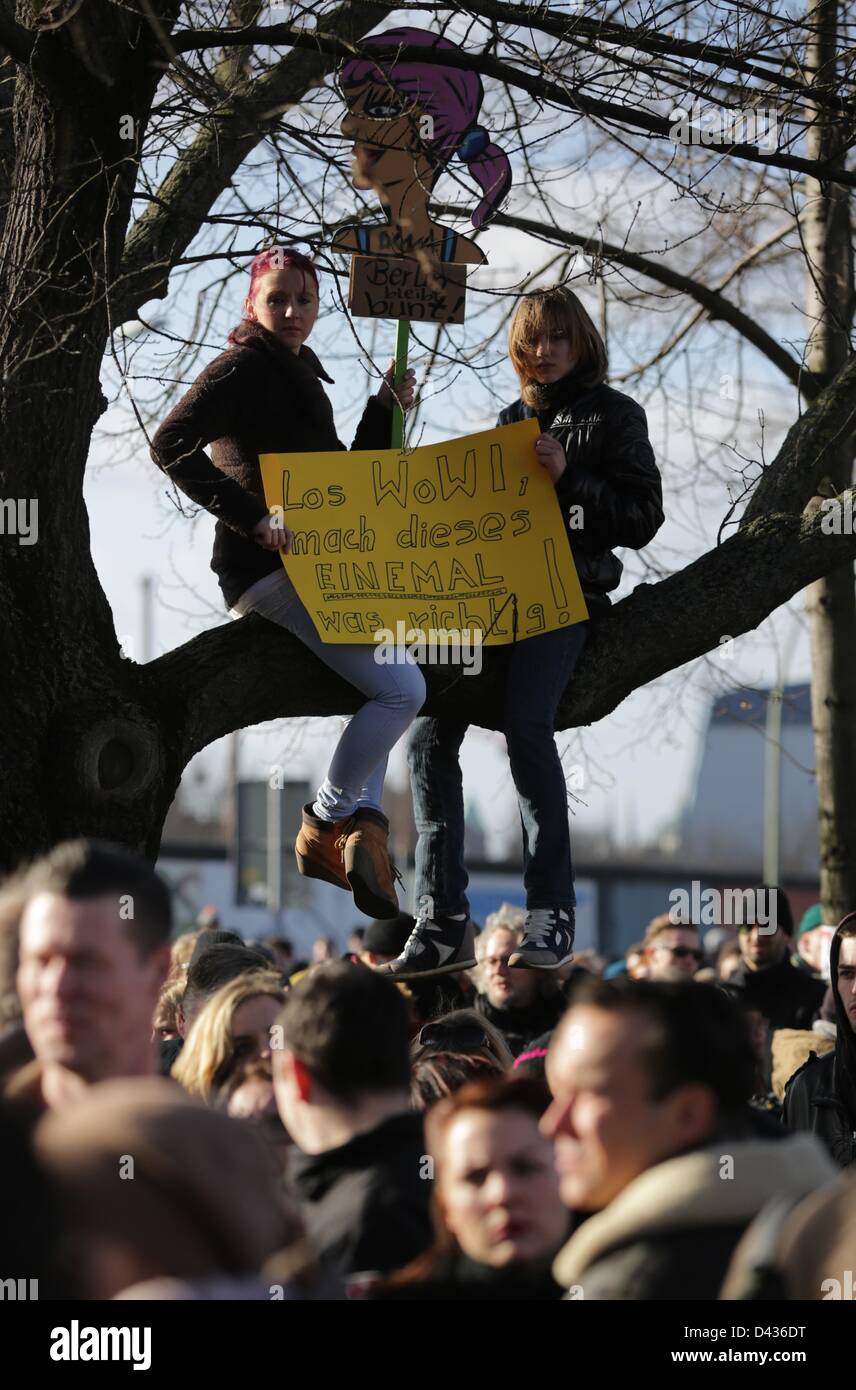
x: 158, y: 106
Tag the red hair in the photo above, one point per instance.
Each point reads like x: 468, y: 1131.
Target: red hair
x: 276, y: 258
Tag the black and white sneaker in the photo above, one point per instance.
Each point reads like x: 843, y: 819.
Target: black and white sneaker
x: 548, y: 940
x: 436, y: 946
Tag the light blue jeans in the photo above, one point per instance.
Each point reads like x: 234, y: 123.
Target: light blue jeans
x: 396, y: 693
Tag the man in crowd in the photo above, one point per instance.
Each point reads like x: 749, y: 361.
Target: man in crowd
x: 212, y: 967
x: 672, y: 952
x: 634, y: 961
x: 810, y: 943
x: 821, y: 1095
x: 522, y: 1004
x: 385, y: 940
x: 356, y: 938
x: 342, y: 1076
x: 653, y: 1135
x: 766, y: 980
x: 94, y: 924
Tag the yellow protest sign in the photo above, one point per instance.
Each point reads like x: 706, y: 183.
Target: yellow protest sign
x: 461, y: 536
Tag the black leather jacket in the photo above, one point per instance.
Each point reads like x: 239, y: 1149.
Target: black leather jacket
x: 813, y: 1102
x: 611, y: 475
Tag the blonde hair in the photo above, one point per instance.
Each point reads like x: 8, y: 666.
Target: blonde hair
x: 507, y: 915
x: 559, y: 313
x: 167, y: 1008
x: 179, y: 954
x: 202, y: 1064
x: 664, y: 923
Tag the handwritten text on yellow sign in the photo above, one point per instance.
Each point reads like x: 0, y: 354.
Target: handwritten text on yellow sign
x: 453, y: 536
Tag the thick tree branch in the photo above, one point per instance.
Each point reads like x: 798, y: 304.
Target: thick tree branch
x: 714, y: 302
x: 643, y: 41
x: 790, y: 482
x: 202, y: 171
x: 537, y: 85
x: 249, y: 671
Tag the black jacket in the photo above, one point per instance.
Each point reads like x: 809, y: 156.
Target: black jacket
x: 520, y: 1027
x: 813, y: 1102
x: 256, y: 398
x: 455, y: 1278
x: 821, y: 1095
x: 366, y: 1203
x: 611, y: 474
x: 787, y: 997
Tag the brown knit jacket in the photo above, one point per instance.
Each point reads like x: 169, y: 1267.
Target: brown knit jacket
x: 255, y: 398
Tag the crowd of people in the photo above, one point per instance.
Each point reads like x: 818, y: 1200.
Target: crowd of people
x: 200, y: 1117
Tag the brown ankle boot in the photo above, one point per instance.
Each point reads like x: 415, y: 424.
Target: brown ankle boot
x: 320, y: 848
x: 371, y: 873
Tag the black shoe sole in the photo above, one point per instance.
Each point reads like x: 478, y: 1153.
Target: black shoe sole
x: 527, y: 964
x: 448, y: 969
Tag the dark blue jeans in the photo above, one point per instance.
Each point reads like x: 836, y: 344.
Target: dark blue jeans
x: 538, y: 672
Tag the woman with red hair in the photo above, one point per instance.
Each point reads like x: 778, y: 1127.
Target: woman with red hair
x: 265, y: 395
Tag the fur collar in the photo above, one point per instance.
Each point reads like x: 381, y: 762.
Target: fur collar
x: 688, y: 1191
x: 249, y: 333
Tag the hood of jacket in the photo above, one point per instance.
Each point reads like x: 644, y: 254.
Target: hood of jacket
x: 845, y: 1036
x: 689, y: 1191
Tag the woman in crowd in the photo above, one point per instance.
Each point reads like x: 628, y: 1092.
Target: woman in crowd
x: 498, y: 1215
x: 233, y: 1029
x: 463, y: 1031
x: 438, y: 1075
x: 248, y: 1095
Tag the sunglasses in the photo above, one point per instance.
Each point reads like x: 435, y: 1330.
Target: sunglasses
x: 681, y: 952
x: 454, y: 1037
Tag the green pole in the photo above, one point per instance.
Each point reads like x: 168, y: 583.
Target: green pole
x: 402, y: 334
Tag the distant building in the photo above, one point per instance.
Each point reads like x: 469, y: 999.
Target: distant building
x: 723, y: 823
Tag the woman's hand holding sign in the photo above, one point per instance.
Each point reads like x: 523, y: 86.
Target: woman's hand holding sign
x: 404, y: 391
x: 273, y: 534
x: 551, y: 456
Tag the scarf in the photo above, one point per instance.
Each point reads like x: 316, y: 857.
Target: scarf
x: 548, y: 397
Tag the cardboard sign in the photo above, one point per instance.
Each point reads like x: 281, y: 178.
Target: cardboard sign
x: 461, y: 536
x: 407, y: 120
x: 390, y: 287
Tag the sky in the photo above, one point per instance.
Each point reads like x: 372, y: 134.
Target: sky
x: 713, y: 406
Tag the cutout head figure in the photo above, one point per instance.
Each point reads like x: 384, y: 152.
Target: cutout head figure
x: 407, y: 120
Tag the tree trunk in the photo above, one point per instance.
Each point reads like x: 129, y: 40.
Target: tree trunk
x: 831, y: 601
x: 79, y: 741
